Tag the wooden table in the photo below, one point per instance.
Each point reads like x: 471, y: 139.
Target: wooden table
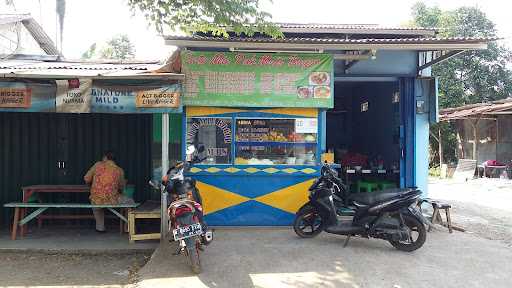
x: 493, y: 167
x: 28, y: 191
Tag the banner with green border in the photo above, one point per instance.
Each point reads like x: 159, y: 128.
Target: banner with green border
x: 235, y: 79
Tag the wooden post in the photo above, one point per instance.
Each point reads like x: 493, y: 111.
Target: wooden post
x: 475, y: 138
x: 461, y: 152
x: 440, y: 147
x: 15, y: 222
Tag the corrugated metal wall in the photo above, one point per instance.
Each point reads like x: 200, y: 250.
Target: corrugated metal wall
x: 31, y: 145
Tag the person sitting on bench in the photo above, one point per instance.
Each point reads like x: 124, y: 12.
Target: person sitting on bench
x: 107, y: 182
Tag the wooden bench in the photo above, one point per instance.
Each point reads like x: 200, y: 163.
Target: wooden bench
x: 41, y: 207
x: 148, y: 210
x: 436, y: 214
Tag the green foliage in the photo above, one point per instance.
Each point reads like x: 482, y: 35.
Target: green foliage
x: 119, y: 47
x: 90, y: 53
x: 449, y: 138
x: 471, y: 77
x: 434, y: 172
x: 212, y: 16
x: 474, y: 76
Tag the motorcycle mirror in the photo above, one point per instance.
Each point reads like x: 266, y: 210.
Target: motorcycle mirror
x: 154, y: 185
x: 190, y: 150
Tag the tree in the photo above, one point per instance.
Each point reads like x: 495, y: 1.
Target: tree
x: 470, y: 77
x: 118, y: 47
x: 90, y: 53
x: 208, y: 16
x: 475, y: 76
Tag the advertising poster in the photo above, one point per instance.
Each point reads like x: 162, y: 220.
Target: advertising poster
x: 135, y: 99
x: 258, y: 79
x: 73, y: 96
x: 29, y: 96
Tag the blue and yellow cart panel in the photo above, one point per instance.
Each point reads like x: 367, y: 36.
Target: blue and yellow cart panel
x: 254, y: 195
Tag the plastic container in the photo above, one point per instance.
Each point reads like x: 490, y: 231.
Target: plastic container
x: 129, y: 190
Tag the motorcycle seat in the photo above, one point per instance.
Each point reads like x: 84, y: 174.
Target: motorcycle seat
x: 381, y: 196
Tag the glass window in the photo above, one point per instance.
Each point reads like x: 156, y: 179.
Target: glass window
x: 276, y: 141
x: 215, y: 135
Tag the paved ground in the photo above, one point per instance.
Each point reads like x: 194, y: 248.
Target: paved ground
x: 277, y: 258
x: 255, y: 257
x: 481, y: 206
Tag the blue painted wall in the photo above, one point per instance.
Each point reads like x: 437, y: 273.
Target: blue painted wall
x: 388, y: 62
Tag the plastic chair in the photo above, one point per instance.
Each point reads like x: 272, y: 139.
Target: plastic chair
x: 366, y: 186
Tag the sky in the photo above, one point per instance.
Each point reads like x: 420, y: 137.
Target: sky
x: 93, y: 21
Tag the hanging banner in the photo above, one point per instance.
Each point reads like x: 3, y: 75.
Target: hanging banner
x: 135, y: 99
x: 73, y: 96
x: 88, y: 96
x: 258, y: 79
x: 14, y: 97
x: 157, y: 99
x: 18, y: 96
x: 84, y: 96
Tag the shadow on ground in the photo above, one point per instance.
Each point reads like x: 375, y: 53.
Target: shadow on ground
x: 277, y: 258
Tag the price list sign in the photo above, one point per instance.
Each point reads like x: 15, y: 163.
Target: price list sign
x: 257, y: 79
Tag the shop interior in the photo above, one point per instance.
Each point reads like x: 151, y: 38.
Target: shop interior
x: 363, y: 132
x: 59, y: 148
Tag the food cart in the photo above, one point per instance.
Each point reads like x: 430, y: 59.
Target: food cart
x: 261, y: 119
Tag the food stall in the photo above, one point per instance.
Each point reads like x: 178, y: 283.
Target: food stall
x: 261, y: 119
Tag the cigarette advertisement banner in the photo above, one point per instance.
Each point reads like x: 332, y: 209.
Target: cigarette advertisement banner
x: 258, y: 79
x: 27, y: 96
x: 135, y: 99
x: 86, y: 96
x: 73, y: 96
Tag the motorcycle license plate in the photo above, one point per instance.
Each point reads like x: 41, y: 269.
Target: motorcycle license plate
x: 187, y: 231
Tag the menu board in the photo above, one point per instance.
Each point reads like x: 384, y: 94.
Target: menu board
x: 257, y: 79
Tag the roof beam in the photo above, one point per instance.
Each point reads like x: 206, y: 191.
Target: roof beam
x: 326, y: 46
x: 439, y: 59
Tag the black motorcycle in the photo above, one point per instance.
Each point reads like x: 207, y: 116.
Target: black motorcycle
x: 390, y: 215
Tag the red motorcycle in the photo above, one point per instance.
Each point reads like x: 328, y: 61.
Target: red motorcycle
x: 185, y: 212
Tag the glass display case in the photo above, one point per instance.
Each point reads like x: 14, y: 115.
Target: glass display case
x: 257, y: 141
x: 271, y: 141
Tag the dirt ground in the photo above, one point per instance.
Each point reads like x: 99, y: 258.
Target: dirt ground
x: 480, y: 257
x: 29, y: 269
x: 481, y: 206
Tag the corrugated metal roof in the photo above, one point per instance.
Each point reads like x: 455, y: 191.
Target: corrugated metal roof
x: 475, y: 110
x: 348, y: 26
x: 310, y: 40
x: 31, y: 68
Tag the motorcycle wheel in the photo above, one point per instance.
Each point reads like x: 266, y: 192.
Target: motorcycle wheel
x: 417, y: 229
x: 308, y: 223
x: 193, y: 255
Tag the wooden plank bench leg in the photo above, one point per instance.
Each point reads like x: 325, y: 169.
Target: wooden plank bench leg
x: 435, y: 214
x: 448, y: 220
x: 15, y: 223
x: 131, y: 226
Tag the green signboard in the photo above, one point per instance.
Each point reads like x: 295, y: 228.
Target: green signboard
x: 258, y: 79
